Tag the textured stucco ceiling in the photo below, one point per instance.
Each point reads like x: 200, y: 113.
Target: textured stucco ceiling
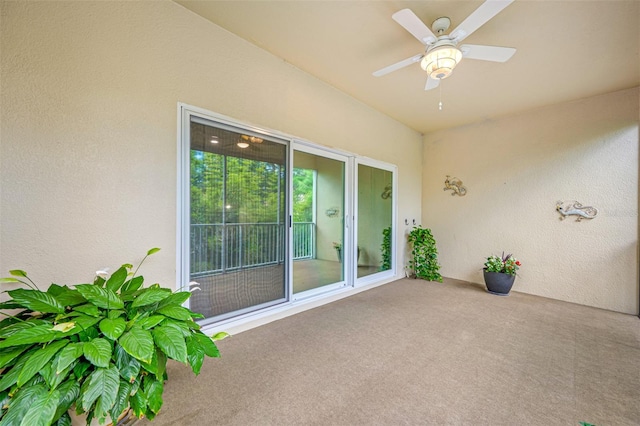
x: 567, y: 50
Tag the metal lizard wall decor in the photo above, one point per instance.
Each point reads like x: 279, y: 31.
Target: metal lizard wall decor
x: 570, y: 208
x: 454, y: 185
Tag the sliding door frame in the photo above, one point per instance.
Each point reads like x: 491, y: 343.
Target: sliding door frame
x: 347, y: 217
x: 389, y: 273
x: 183, y: 267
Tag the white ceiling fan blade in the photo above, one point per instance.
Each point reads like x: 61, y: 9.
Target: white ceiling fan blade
x: 415, y: 26
x: 398, y: 65
x: 487, y: 53
x: 432, y: 83
x: 478, y: 18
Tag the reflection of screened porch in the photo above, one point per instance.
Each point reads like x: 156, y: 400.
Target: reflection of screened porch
x: 220, y: 248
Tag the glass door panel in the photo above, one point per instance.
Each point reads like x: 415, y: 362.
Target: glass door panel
x: 375, y: 219
x: 238, y: 234
x: 318, y: 221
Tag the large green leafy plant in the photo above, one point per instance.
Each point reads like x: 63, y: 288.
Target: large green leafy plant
x: 96, y: 348
x: 424, y: 254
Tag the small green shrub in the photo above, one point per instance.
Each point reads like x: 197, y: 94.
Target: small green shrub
x: 424, y: 262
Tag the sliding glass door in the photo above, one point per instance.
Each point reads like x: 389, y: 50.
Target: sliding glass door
x: 375, y: 219
x: 238, y: 210
x: 266, y: 221
x: 320, y: 250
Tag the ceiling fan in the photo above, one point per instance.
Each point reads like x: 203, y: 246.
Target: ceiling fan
x: 442, y: 52
x: 244, y: 140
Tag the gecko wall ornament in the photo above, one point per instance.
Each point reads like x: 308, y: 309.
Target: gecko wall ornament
x: 455, y: 185
x: 386, y: 194
x: 332, y: 212
x: 570, y: 208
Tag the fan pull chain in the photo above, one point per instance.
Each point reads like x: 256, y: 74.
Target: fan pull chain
x: 440, y: 94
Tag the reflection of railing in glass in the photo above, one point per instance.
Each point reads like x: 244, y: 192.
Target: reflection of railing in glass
x: 304, y: 236
x: 217, y: 247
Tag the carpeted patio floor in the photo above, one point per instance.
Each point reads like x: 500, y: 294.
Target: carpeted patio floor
x: 420, y: 353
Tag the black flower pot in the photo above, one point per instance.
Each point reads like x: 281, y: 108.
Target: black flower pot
x: 498, y: 283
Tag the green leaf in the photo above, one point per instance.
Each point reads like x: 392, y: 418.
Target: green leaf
x: 177, y: 298
x: 9, y: 378
x: 176, y: 312
x: 38, y: 359
x: 12, y: 329
x: 9, y: 354
x: 162, y: 364
x: 89, y: 309
x: 9, y: 280
x: 21, y: 403
x: 89, y: 334
x: 128, y: 366
x: 171, y: 341
x: 36, y: 300
x: 101, y: 297
x: 66, y: 296
x: 122, y: 399
x: 82, y: 325
x: 158, y: 364
x: 133, y: 284
x: 38, y: 334
x: 151, y: 321
x: 138, y: 403
x: 152, y: 366
x: 98, y: 280
x: 138, y: 343
x: 150, y: 295
x: 18, y: 273
x: 219, y: 336
x: 112, y: 328
x: 197, y: 315
x: 67, y: 355
x: 50, y: 374
x: 210, y: 348
x: 42, y: 410
x: 195, y: 354
x: 103, y: 385
x: 152, y: 251
x: 81, y: 368
x: 64, y: 420
x: 115, y: 314
x: 98, y: 352
x: 116, y: 280
x: 153, y: 390
x: 9, y: 305
x: 183, y: 327
x: 69, y: 392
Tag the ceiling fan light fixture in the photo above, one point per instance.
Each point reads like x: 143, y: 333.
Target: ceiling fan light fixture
x: 243, y: 145
x: 440, y: 62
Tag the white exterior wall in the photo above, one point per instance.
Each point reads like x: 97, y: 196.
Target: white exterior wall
x: 515, y: 169
x: 88, y: 149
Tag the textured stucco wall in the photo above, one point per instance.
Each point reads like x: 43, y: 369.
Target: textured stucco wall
x: 515, y: 169
x: 89, y: 124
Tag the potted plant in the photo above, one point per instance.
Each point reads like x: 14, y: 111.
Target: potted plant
x: 500, y: 273
x: 98, y: 349
x: 338, y: 248
x: 424, y: 261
